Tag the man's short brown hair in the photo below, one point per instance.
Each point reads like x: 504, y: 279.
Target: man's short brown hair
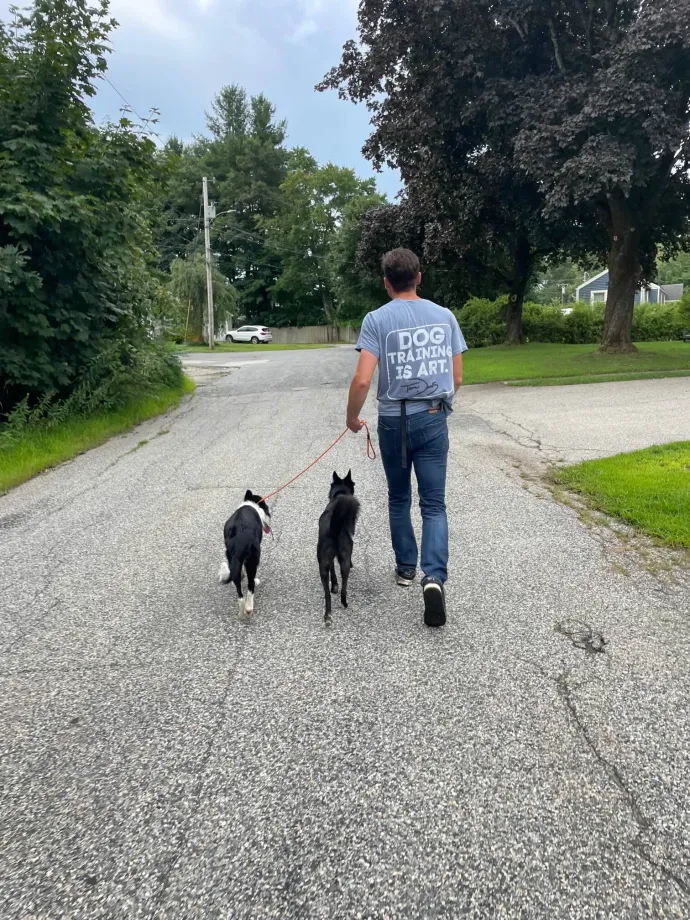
x: 401, y: 267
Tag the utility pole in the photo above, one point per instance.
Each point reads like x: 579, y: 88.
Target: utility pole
x: 209, y: 267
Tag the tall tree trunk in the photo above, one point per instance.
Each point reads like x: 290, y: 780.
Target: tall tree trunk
x: 327, y: 301
x: 523, y: 262
x: 624, y: 277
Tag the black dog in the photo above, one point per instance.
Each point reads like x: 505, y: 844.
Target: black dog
x: 336, y: 538
x: 244, y: 532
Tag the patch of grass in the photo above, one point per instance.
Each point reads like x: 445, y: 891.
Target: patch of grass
x: 595, y: 378
x: 649, y: 489
x: 233, y: 347
x: 41, y: 448
x: 539, y: 365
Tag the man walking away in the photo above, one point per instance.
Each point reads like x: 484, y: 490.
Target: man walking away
x: 418, y: 347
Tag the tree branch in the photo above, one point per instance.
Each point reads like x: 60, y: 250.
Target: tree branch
x: 610, y: 7
x: 587, y: 17
x: 518, y: 28
x: 556, y: 45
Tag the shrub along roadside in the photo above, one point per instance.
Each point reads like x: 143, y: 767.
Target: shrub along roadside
x: 483, y: 323
x: 118, y: 391
x: 41, y: 448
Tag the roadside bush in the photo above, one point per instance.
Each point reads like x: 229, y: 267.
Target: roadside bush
x: 483, y: 322
x: 584, y: 325
x: 542, y: 323
x: 76, y: 252
x: 120, y: 374
x: 657, y: 322
x: 684, y: 310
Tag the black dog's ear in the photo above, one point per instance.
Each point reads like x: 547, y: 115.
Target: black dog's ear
x: 348, y: 478
x: 249, y: 497
x: 336, y: 478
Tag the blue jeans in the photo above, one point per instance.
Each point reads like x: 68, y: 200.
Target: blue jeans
x: 427, y: 452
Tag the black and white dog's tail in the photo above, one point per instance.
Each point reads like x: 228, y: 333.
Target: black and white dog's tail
x: 229, y: 572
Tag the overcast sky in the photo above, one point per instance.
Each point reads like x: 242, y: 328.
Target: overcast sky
x: 174, y: 55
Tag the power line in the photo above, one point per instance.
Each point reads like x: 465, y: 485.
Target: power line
x: 145, y: 121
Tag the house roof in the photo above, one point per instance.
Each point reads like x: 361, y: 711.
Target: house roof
x: 673, y: 291
x: 590, y: 280
x: 673, y: 288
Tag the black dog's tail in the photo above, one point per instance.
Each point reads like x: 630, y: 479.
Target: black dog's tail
x: 344, y: 515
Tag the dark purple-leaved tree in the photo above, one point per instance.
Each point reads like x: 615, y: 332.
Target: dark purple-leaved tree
x: 428, y: 73
x: 536, y: 126
x: 607, y: 128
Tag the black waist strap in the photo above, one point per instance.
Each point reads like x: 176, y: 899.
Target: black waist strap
x: 403, y: 433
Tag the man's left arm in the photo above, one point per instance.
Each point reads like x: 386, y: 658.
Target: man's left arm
x: 359, y: 389
x: 457, y: 372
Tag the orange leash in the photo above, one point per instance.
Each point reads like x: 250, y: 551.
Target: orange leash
x: 371, y: 454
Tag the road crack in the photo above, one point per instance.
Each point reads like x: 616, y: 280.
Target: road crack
x: 583, y: 637
x: 644, y: 825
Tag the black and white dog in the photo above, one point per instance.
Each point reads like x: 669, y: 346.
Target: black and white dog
x: 244, y: 531
x: 336, y: 538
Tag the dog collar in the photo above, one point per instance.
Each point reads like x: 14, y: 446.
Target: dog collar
x: 263, y: 517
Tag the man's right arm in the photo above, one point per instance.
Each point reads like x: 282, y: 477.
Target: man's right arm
x: 359, y: 389
x: 368, y: 348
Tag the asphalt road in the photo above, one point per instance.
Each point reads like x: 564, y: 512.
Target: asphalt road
x: 161, y: 759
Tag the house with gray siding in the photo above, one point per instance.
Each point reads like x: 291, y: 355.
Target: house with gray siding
x: 595, y: 290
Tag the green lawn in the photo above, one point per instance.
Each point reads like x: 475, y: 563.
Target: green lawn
x: 42, y: 448
x: 543, y: 365
x: 243, y: 346
x: 649, y: 489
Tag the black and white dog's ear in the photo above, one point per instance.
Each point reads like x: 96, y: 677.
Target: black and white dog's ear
x: 336, y: 478
x: 249, y: 497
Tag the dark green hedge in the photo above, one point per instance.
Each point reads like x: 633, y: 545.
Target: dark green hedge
x: 483, y: 323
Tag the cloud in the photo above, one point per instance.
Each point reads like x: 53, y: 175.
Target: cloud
x: 159, y: 17
x: 306, y: 28
x: 153, y: 15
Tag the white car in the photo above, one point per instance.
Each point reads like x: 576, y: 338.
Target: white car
x: 253, y: 334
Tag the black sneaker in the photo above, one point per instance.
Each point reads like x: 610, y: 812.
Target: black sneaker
x: 405, y: 578
x: 434, y: 603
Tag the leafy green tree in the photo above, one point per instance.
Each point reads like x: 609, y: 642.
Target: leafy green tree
x: 556, y: 283
x: 313, y: 202
x: 188, y: 286
x: 675, y: 271
x: 74, y: 236
x: 358, y: 289
x: 176, y: 208
x: 245, y: 161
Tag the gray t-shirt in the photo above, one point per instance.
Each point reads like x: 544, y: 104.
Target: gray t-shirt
x: 415, y: 342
